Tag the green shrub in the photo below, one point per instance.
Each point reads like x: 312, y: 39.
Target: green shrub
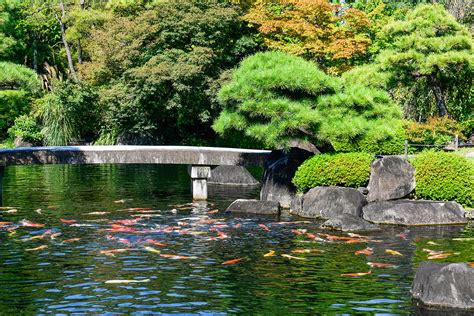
x: 444, y: 176
x: 25, y: 127
x: 344, y: 169
x: 13, y: 103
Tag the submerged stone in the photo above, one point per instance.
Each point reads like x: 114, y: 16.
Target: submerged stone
x: 254, y: 207
x: 390, y: 178
x: 410, y: 212
x: 329, y: 202
x: 349, y: 223
x: 444, y: 285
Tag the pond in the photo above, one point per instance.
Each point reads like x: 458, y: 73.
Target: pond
x: 125, y: 239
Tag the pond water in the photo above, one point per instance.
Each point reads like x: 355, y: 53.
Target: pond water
x: 105, y: 226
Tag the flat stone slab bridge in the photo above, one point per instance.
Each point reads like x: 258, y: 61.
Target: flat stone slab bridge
x: 200, y: 158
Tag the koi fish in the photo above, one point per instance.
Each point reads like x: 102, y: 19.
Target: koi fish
x: 37, y: 248
x: 299, y: 231
x: 121, y: 229
x: 127, y: 221
x: 306, y: 250
x: 264, y: 227
x: 236, y: 226
x: 126, y: 281
x: 122, y: 201
x: 151, y: 249
x: 5, y: 223
x: 53, y: 236
x: 393, y: 252
x: 27, y: 223
x: 171, y: 256
x: 367, y: 251
x: 97, y: 213
x: 357, y: 274
x: 380, y: 265
x: 271, y: 253
x: 155, y: 242
x: 233, y: 261
x: 67, y: 221
x: 403, y: 235
x: 432, y: 243
x: 292, y: 257
x: 439, y: 256
x: 213, y: 212
x: 72, y: 240
x: 111, y: 252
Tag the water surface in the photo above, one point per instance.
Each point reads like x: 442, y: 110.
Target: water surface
x: 149, y: 206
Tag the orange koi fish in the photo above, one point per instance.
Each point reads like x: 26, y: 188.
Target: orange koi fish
x: 233, y: 261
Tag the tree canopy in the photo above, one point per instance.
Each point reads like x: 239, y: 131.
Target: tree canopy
x: 277, y: 98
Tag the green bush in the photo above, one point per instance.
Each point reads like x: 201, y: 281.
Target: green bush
x: 444, y: 176
x: 344, y: 169
x: 13, y: 103
x: 26, y: 127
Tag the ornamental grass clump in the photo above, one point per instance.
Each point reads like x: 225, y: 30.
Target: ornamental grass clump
x: 344, y: 169
x: 445, y: 177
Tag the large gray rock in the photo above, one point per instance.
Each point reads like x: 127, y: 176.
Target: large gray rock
x: 254, y: 207
x: 232, y: 175
x: 277, y: 185
x: 329, y: 202
x: 390, y: 178
x: 409, y: 212
x: 349, y: 223
x: 297, y: 203
x: 444, y: 285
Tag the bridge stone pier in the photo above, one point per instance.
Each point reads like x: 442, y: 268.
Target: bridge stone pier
x: 200, y: 158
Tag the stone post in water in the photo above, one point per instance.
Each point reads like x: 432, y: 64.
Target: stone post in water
x: 199, y: 176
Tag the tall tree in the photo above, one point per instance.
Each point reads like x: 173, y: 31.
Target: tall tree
x: 430, y: 48
x: 60, y: 20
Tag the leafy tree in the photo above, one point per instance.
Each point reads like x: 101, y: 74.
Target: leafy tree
x: 277, y: 98
x: 157, y: 69
x: 429, y: 51
x: 315, y: 29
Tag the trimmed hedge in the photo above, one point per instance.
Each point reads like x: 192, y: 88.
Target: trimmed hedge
x: 444, y: 176
x: 344, y: 169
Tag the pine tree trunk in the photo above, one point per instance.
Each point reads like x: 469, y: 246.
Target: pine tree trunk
x: 439, y: 96
x: 65, y: 43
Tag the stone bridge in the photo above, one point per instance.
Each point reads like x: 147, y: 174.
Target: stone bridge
x: 199, y: 158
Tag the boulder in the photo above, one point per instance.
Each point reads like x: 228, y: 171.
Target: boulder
x: 297, y: 202
x: 254, y: 207
x: 444, y: 285
x: 279, y: 173
x: 329, y: 202
x: 391, y: 178
x: 232, y: 175
x: 409, y: 212
x: 19, y: 142
x: 349, y: 223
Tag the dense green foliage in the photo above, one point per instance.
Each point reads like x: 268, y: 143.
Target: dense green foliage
x: 445, y: 177
x: 26, y: 128
x: 276, y: 98
x: 68, y: 114
x: 346, y: 169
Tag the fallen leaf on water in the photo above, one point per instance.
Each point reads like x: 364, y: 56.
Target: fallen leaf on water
x: 393, y: 252
x: 367, y: 251
x: 306, y: 250
x: 151, y: 249
x: 381, y: 265
x: 37, y: 248
x: 356, y: 274
x: 292, y: 257
x: 233, y: 261
x: 271, y: 253
x: 39, y: 211
x: 27, y: 223
x: 67, y: 221
x: 126, y: 281
x: 432, y: 243
x: 439, y: 256
x: 72, y: 240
